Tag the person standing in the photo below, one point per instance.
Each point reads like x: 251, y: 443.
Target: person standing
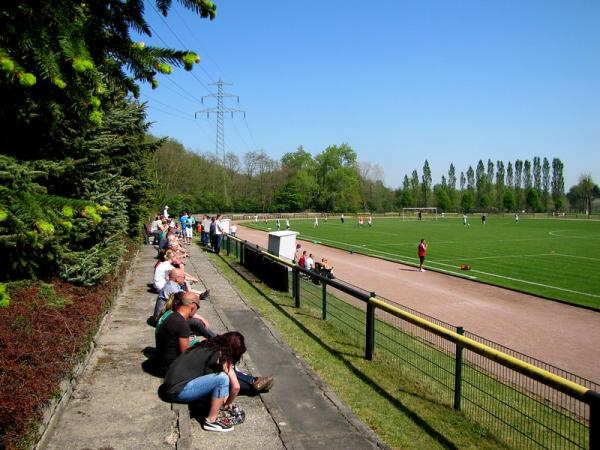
x: 278, y: 224
x: 205, y: 230
x: 166, y: 212
x: 483, y: 219
x: 420, y: 215
x: 370, y: 220
x: 422, y: 253
x: 189, y: 232
x: 218, y: 234
x: 517, y: 218
x: 342, y: 218
x: 316, y: 224
x: 233, y: 229
x: 464, y: 219
x: 287, y: 224
x: 183, y: 221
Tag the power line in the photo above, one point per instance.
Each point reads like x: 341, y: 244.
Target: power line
x: 167, y: 105
x: 240, y: 135
x: 179, y: 40
x: 220, y: 122
x: 193, y: 37
x: 250, y: 133
x: 185, y: 94
x: 170, y: 113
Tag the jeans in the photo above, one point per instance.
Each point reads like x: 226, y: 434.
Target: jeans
x: 216, y: 384
x: 197, y: 327
x: 245, y: 381
x: 218, y: 238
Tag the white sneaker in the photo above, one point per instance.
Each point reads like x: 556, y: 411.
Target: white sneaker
x: 422, y: 270
x: 221, y: 425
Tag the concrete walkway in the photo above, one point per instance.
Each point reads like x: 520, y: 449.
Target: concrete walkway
x: 115, y: 403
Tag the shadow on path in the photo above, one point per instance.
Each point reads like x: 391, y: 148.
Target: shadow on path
x: 419, y: 421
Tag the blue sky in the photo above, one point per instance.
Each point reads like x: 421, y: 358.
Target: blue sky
x: 399, y: 81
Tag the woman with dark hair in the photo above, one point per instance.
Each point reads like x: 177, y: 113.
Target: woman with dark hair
x: 207, y: 368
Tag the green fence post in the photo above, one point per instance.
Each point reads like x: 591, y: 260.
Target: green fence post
x: 370, y: 332
x: 592, y: 398
x: 228, y: 245
x: 458, y: 371
x: 242, y: 244
x: 324, y: 300
x: 296, y: 278
x: 237, y: 253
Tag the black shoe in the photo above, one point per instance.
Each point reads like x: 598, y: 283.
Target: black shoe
x: 205, y: 294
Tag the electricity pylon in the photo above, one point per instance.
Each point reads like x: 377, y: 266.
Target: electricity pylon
x: 220, y: 111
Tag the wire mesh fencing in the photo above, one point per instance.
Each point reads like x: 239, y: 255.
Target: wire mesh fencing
x: 541, y: 407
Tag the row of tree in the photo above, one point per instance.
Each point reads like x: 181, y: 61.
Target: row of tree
x: 75, y: 160
x: 537, y: 186
x: 335, y: 181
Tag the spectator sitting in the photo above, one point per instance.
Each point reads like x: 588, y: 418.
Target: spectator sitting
x: 173, y: 334
x: 162, y: 270
x: 309, y: 263
x: 155, y: 229
x: 302, y: 260
x: 163, y: 241
x: 297, y: 253
x: 198, y: 324
x: 170, y: 340
x: 208, y: 368
x: 176, y: 283
x: 326, y: 269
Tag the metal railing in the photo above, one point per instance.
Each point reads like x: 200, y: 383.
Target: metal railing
x: 523, y: 401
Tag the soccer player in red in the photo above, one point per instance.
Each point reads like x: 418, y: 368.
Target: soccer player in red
x: 422, y: 253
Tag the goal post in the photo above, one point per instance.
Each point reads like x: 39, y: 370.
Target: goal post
x: 428, y: 213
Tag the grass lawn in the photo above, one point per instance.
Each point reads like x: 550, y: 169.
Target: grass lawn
x: 553, y: 258
x: 401, y: 410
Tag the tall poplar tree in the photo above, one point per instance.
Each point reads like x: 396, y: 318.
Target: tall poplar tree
x: 545, y: 183
x: 557, y: 184
x: 426, y: 184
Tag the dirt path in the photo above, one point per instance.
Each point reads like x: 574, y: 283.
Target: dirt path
x: 565, y: 336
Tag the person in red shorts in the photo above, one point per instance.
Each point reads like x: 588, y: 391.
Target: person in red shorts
x: 422, y: 253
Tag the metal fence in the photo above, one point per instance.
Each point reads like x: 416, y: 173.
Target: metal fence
x: 524, y: 402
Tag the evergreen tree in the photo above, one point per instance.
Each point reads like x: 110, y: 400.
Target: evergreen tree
x: 500, y: 176
x: 510, y: 176
x: 414, y: 188
x: 426, y: 184
x: 537, y: 174
x: 545, y: 184
x: 527, y: 175
x: 470, y: 179
x: 558, y: 184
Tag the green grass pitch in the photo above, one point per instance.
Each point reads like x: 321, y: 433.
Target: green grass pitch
x: 554, y: 258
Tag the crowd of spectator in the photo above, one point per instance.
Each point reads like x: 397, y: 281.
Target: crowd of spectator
x: 198, y: 363
x: 307, y: 261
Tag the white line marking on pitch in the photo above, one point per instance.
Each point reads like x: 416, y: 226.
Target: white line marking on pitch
x: 501, y: 256
x: 578, y: 257
x: 555, y: 233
